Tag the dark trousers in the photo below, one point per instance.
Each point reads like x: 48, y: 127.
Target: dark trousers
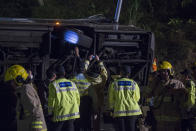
x: 125, y: 123
x: 188, y: 124
x: 85, y: 121
x: 63, y: 125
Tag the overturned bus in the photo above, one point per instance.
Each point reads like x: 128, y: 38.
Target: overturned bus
x: 39, y: 44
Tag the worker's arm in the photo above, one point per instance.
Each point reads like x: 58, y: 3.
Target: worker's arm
x: 137, y: 92
x: 103, y: 73
x: 86, y: 64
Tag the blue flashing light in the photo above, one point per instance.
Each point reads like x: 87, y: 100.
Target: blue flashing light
x: 71, y: 37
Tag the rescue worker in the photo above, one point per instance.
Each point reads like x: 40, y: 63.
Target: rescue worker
x: 169, y: 97
x: 188, y: 121
x: 29, y: 111
x: 124, y: 95
x: 84, y: 122
x: 63, y: 102
x: 97, y: 76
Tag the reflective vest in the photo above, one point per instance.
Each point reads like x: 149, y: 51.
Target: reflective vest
x: 191, y: 93
x: 63, y: 100
x: 82, y: 84
x: 124, y: 95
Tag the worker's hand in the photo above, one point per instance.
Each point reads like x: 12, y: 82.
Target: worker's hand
x: 77, y: 51
x: 97, y: 58
x: 90, y: 58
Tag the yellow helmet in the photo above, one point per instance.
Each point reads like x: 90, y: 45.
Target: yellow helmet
x: 16, y: 73
x: 165, y: 65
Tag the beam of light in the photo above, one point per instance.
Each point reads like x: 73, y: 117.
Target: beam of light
x: 71, y: 37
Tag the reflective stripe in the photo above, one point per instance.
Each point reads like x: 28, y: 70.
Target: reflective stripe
x: 82, y: 83
x: 125, y: 88
x: 166, y: 118
x: 68, y: 89
x: 126, y: 112
x: 68, y: 115
x: 37, y: 124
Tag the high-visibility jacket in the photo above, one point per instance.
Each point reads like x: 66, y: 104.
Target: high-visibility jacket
x: 190, y: 86
x: 82, y: 84
x: 63, y: 100
x: 189, y: 105
x: 96, y: 89
x: 124, y: 95
x: 29, y: 110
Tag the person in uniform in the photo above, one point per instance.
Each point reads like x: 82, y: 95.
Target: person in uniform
x: 169, y: 96
x: 29, y: 110
x: 124, y: 94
